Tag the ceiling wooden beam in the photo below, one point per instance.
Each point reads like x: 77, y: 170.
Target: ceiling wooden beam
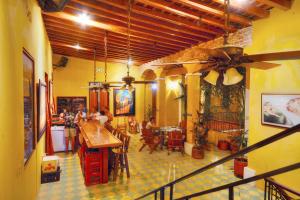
x: 185, y: 13
x: 121, y: 30
x: 162, y: 16
x: 96, y: 35
x: 215, y: 11
x: 139, y: 29
x: 281, y: 4
x: 249, y: 9
x: 100, y: 57
x: 59, y: 42
x: 137, y: 22
x: 119, y: 11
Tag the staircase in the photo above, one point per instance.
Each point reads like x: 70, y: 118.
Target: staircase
x: 273, y: 190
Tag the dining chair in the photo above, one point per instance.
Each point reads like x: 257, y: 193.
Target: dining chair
x: 149, y: 139
x: 176, y: 141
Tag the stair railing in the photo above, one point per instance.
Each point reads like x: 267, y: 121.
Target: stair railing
x: 276, y: 191
x: 258, y: 145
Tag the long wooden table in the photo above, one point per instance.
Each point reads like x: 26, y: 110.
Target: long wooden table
x: 96, y: 136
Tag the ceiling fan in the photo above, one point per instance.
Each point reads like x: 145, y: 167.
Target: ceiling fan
x: 228, y: 57
x: 129, y: 80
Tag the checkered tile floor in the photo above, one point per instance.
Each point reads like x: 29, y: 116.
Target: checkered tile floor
x: 148, y: 171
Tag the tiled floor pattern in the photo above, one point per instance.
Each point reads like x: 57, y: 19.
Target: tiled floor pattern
x: 148, y: 171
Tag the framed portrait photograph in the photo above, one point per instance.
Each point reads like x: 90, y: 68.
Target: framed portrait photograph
x: 124, y: 103
x: 41, y: 109
x: 29, y: 110
x: 281, y: 110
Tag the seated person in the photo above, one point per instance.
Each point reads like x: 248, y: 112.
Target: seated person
x: 151, y: 123
x: 103, y: 118
x: 108, y: 114
x: 94, y: 115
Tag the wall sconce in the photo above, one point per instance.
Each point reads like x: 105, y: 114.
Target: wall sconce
x: 172, y: 85
x: 154, y: 86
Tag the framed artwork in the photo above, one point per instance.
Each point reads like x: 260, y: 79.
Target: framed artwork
x: 281, y: 110
x: 124, y: 102
x: 51, y: 97
x: 71, y: 104
x: 29, y: 110
x: 41, y: 109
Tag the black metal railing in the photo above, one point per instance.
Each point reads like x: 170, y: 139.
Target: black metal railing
x: 277, y: 191
x: 258, y: 145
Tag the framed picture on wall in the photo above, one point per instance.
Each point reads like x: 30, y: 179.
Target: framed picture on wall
x: 41, y: 109
x: 51, y: 102
x: 28, y: 99
x: 124, y: 102
x: 281, y: 110
x: 71, y: 104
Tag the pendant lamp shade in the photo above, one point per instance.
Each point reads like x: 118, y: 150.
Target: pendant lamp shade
x: 232, y: 76
x: 212, y: 77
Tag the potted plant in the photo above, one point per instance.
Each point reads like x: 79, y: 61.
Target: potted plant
x: 200, y: 140
x: 239, y: 142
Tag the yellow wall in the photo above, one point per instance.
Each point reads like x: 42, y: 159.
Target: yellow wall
x: 21, y: 26
x: 280, y: 32
x: 78, y: 72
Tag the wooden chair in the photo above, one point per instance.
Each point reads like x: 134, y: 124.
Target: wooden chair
x: 149, y: 139
x: 122, y: 127
x: 120, y: 156
x: 176, y: 140
x: 109, y: 127
x: 144, y: 124
x: 133, y: 125
x: 183, y: 126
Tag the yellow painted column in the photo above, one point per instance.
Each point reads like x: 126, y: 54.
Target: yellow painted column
x: 193, y: 98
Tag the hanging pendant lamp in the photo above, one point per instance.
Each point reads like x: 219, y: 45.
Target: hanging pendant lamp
x: 128, y: 79
x: 212, y: 77
x: 105, y: 84
x: 232, y: 76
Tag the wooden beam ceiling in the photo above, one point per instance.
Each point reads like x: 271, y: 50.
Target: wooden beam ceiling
x: 281, y: 4
x: 158, y: 27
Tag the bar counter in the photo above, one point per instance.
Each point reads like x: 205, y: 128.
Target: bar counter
x: 95, y: 165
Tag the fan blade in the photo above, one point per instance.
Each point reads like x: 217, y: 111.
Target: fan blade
x: 260, y: 65
x: 288, y: 55
x: 90, y: 87
x: 185, y: 62
x: 115, y: 82
x: 144, y: 82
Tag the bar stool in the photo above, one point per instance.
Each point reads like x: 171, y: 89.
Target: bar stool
x: 120, y: 157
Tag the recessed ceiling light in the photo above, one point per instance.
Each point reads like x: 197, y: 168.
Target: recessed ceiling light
x: 83, y: 19
x: 77, y: 46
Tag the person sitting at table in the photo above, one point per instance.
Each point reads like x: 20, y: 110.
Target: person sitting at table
x: 108, y: 114
x: 94, y: 115
x: 102, y: 117
x: 151, y: 123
